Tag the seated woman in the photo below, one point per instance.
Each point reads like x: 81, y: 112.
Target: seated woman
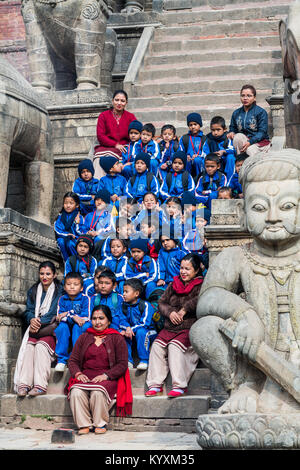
x: 99, y: 370
x: 37, y: 349
x: 112, y: 130
x: 172, y: 351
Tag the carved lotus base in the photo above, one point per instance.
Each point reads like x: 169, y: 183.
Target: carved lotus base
x: 249, y: 431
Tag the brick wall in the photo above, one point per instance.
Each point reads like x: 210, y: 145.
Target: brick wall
x: 12, y: 35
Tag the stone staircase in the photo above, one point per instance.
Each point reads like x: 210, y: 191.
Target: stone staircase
x: 199, y: 58
x: 149, y: 414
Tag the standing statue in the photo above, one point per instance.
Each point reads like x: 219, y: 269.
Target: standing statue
x: 248, y: 327
x: 65, y: 42
x: 25, y: 140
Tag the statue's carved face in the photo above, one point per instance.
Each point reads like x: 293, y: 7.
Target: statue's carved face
x: 272, y: 210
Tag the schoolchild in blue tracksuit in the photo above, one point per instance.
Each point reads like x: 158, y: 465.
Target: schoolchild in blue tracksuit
x: 141, y: 266
x: 173, y: 226
x: 168, y: 146
x: 146, y: 144
x: 134, y: 134
x: 99, y: 223
x: 143, y: 181
x: 233, y: 183
x: 218, y: 142
x: 68, y: 225
x: 117, y: 261
x: 83, y: 262
x: 151, y: 210
x: 208, y: 184
x: 192, y: 143
x: 136, y: 322
x: 91, y: 288
x: 178, y: 179
x: 86, y: 186
x: 113, y: 181
x: 73, y: 314
x: 168, y: 262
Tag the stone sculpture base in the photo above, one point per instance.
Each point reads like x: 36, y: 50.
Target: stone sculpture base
x: 249, y: 431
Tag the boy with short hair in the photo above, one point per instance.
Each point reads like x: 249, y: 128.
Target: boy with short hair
x: 85, y: 186
x: 73, y: 314
x: 117, y: 260
x: 137, y: 322
x: 100, y: 222
x: 233, y: 183
x: 83, y: 262
x: 134, y: 134
x: 211, y: 181
x: 178, y: 179
x: 225, y: 193
x: 147, y: 144
x: 169, y: 259
x: 113, y: 181
x: 217, y: 142
x: 143, y: 181
x: 192, y: 144
x: 168, y: 146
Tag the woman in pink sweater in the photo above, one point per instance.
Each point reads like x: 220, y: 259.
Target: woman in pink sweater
x: 112, y: 130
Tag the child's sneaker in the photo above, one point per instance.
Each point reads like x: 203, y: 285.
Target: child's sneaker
x: 60, y: 367
x: 177, y: 392
x: 154, y: 391
x: 142, y: 366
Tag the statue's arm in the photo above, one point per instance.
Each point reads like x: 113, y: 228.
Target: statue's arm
x: 222, y: 303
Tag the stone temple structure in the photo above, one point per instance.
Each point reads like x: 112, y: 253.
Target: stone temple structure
x: 172, y: 57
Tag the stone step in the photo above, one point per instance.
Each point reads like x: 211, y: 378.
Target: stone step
x: 153, y: 74
x: 194, y: 57
x: 203, y: 4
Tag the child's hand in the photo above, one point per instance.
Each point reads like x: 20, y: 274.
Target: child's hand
x: 62, y: 315
x: 129, y: 333
x: 122, y: 332
x: 77, y: 219
x: 220, y: 152
x: 189, y: 158
x: 79, y: 320
x: 230, y: 135
x: 92, y: 233
x: 161, y: 282
x: 114, y: 197
x: 72, y: 234
x: 194, y: 156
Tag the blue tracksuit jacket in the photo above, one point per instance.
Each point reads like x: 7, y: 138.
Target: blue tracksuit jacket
x: 85, y: 190
x: 193, y: 148
x: 79, y: 306
x: 152, y: 148
x: 234, y: 184
x: 114, y: 184
x: 228, y: 159
x: 169, y: 263
x: 113, y: 301
x: 140, y: 271
x: 135, y: 319
x: 209, y: 186
x: 140, y: 188
x: 81, y: 267
x: 99, y: 221
x: 253, y: 123
x: 117, y: 265
x: 176, y: 188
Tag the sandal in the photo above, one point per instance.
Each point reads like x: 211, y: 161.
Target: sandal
x: 100, y: 430
x: 83, y: 431
x: 36, y: 392
x: 154, y: 392
x: 177, y: 392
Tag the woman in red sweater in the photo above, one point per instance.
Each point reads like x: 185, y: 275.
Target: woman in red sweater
x: 112, y: 130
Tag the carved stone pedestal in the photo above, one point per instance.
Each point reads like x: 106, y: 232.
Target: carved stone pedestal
x: 249, y: 431
x: 24, y: 244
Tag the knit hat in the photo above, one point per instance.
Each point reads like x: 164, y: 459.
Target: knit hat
x: 86, y: 165
x: 86, y: 239
x: 140, y: 243
x: 107, y: 163
x: 145, y: 157
x: 188, y: 198
x: 103, y: 194
x: 194, y: 117
x: 136, y: 125
x: 181, y: 155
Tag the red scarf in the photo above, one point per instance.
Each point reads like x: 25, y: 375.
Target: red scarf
x: 181, y: 288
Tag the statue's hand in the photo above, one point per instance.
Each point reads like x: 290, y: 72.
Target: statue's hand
x: 248, y: 335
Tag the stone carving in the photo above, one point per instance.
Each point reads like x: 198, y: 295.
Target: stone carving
x: 290, y: 45
x: 252, y: 342
x: 65, y: 42
x: 132, y: 6
x: 25, y: 142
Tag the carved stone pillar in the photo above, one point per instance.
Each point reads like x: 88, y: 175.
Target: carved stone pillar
x: 276, y: 102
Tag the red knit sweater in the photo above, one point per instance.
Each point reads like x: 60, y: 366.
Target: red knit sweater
x: 109, y: 132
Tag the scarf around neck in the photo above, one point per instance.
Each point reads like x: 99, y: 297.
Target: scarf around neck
x: 181, y: 288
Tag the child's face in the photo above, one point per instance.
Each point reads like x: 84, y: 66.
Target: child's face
x: 130, y: 295
x: 117, y: 168
x: 168, y: 135
x: 146, y: 230
x: 225, y: 195
x: 73, y: 287
x: 173, y: 209
x: 238, y: 166
x: 82, y: 248
x: 140, y: 166
x: 146, y: 137
x: 69, y: 204
x: 217, y: 130
x: 150, y: 201
x: 125, y: 231
x: 200, y: 222
x: 104, y: 285
x: 194, y: 128
x: 100, y: 204
x: 167, y: 243
x: 211, y: 167
x: 134, y: 135
x: 177, y: 165
x: 86, y: 175
x: 137, y: 254
x: 117, y: 248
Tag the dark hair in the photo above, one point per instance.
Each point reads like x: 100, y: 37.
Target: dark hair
x: 241, y: 157
x: 168, y: 126
x: 152, y: 194
x: 169, y: 238
x: 225, y: 189
x: 101, y: 269
x: 218, y: 120
x: 248, y: 87
x: 109, y: 274
x: 105, y: 309
x: 174, y: 199
x: 149, y: 127
x: 123, y: 92
x: 212, y: 157
x: 135, y: 284
x: 48, y: 264
x: 73, y: 196
x: 124, y: 242
x: 74, y: 275
x: 194, y: 259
